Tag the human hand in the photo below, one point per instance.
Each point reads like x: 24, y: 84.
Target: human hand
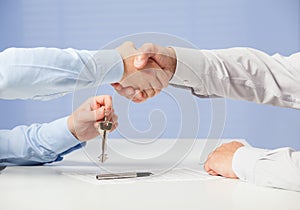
x: 219, y: 162
x: 83, y: 122
x: 165, y: 57
x: 149, y: 54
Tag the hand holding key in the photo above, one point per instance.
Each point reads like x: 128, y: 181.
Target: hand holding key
x: 83, y: 123
x: 104, y: 127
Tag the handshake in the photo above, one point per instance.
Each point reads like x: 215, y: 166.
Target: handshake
x: 147, y: 70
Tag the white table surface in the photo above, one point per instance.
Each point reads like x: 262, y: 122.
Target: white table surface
x: 47, y: 187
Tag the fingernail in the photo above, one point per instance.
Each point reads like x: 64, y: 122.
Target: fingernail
x: 101, y: 110
x: 138, y: 94
x: 118, y: 87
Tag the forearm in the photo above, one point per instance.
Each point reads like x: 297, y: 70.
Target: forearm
x: 45, y: 73
x: 35, y: 144
x: 274, y: 168
x: 240, y: 73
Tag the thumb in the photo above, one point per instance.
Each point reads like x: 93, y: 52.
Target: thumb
x: 117, y: 86
x: 140, y: 60
x: 146, y: 51
x: 98, y: 114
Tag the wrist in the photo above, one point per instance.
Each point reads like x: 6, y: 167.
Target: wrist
x: 71, y: 127
x: 172, y: 61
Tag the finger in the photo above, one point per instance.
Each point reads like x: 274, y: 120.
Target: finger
x: 115, y: 123
x: 149, y: 92
x: 210, y: 155
x: 139, y: 100
x: 138, y: 97
x: 113, y: 119
x: 119, y: 89
x: 156, y: 77
x: 163, y: 78
x: 116, y: 86
x: 130, y: 93
x: 127, y: 92
x: 107, y: 102
x: 237, y: 143
x: 145, y: 94
x: 104, y: 100
x: 97, y: 114
x: 213, y: 173
x: 156, y: 83
x: 157, y: 91
x: 149, y: 50
x: 128, y: 44
x: 96, y: 125
x: 110, y: 115
x: 207, y: 167
x: 158, y: 53
x: 127, y: 49
x: 219, y: 148
x: 146, y: 51
x: 140, y: 60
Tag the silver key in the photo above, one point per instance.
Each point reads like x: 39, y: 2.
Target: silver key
x: 104, y: 127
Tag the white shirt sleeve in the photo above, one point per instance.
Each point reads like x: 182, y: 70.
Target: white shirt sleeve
x: 248, y: 74
x: 240, y: 73
x: 278, y: 168
x: 47, y: 73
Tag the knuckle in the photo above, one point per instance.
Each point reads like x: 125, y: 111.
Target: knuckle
x: 128, y: 43
x: 105, y: 97
x: 128, y: 97
x: 206, y: 166
x: 236, y: 143
x: 148, y: 47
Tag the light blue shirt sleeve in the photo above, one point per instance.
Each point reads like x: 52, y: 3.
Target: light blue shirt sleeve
x: 36, y: 144
x: 47, y: 73
x: 44, y: 74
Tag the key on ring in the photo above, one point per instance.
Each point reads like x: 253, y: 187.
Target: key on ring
x: 104, y: 127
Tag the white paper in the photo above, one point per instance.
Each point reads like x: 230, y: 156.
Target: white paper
x: 177, y: 174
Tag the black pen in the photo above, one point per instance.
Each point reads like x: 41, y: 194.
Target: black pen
x: 125, y: 175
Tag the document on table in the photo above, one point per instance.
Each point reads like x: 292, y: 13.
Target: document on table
x: 177, y: 174
x: 82, y: 165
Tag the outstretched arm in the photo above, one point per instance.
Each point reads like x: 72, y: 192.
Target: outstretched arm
x: 44, y: 143
x: 46, y: 73
x: 237, y: 73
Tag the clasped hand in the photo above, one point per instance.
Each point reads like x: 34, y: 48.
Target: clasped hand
x: 147, y: 70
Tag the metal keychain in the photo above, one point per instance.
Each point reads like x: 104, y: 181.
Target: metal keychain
x: 104, y: 127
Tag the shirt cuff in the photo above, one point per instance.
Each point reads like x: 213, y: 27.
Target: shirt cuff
x: 110, y: 67
x: 244, y: 162
x: 58, y: 136
x: 189, y: 67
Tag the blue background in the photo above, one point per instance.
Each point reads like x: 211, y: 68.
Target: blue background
x: 268, y: 25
